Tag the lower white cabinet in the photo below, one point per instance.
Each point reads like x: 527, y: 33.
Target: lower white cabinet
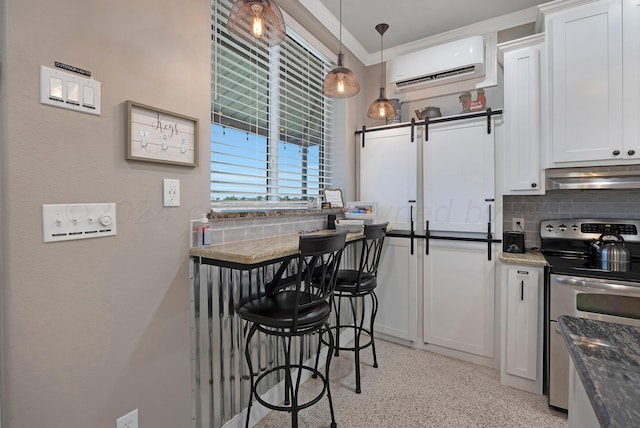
x: 397, y: 290
x: 459, y: 297
x: 521, y: 332
x: 581, y: 413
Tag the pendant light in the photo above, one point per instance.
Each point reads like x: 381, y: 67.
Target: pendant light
x: 381, y: 108
x: 340, y: 82
x: 257, y: 20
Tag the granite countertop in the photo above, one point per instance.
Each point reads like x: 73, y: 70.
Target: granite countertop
x: 607, y: 358
x: 257, y: 251
x: 529, y: 258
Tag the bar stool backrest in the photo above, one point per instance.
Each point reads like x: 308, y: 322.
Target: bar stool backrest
x: 371, y: 251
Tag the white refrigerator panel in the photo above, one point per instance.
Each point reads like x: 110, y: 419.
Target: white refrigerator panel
x: 388, y: 165
x: 459, y: 297
x: 459, y: 176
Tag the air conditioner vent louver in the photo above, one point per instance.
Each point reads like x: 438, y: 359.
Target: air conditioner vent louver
x: 438, y: 65
x: 463, y: 71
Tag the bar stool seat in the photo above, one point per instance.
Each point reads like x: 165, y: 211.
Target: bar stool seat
x: 278, y: 311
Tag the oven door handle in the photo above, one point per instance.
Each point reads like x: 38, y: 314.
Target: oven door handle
x: 598, y: 285
x: 571, y: 281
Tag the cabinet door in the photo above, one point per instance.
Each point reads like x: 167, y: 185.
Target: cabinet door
x: 585, y: 46
x: 631, y: 83
x: 522, y: 120
x: 388, y: 164
x: 522, y: 322
x: 458, y: 172
x: 397, y: 290
x: 459, y: 297
x: 581, y: 413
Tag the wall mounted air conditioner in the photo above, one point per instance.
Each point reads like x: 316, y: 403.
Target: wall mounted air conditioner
x: 438, y: 65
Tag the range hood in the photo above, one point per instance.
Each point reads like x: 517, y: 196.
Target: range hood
x: 587, y: 178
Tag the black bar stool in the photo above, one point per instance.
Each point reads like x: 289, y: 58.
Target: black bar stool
x: 296, y: 306
x: 356, y: 285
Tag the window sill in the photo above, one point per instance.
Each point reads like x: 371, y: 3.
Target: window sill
x: 270, y: 212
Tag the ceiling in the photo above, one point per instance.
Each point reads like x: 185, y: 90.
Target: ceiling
x: 409, y: 20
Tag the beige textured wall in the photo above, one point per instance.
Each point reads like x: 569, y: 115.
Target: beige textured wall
x: 95, y: 328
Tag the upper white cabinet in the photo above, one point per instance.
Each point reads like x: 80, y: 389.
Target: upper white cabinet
x: 592, y: 120
x: 631, y: 77
x: 522, y: 90
x: 458, y: 176
x: 388, y: 168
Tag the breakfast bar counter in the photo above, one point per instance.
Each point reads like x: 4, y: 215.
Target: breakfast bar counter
x: 256, y: 252
x: 222, y: 276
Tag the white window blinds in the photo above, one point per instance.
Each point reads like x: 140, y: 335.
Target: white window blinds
x: 270, y: 124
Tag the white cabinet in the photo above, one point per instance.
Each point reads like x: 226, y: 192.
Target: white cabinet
x: 459, y: 297
x: 593, y: 110
x: 522, y: 91
x: 581, y: 413
x: 521, y: 332
x: 631, y: 77
x: 388, y: 165
x: 397, y: 290
x: 458, y: 173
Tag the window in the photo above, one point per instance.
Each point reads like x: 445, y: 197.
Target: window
x: 270, y: 123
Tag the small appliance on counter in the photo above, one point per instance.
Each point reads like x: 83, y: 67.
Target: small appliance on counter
x: 513, y: 242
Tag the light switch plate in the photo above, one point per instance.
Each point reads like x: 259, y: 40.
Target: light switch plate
x: 61, y: 89
x: 171, y: 192
x: 66, y: 222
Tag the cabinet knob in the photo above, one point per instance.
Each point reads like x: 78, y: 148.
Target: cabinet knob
x: 534, y: 185
x: 616, y: 152
x: 631, y: 152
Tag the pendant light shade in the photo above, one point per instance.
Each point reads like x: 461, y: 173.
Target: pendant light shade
x: 381, y: 108
x: 258, y: 20
x: 340, y: 82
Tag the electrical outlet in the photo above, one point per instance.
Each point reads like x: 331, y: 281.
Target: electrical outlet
x: 518, y: 224
x: 171, y: 192
x: 130, y: 420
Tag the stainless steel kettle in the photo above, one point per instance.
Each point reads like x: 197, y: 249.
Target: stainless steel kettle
x: 612, y: 254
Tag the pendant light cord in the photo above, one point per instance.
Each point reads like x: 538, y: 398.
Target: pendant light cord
x: 340, y: 31
x: 381, y: 67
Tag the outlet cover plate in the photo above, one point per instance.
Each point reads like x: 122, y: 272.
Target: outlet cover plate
x: 514, y: 225
x: 130, y: 420
x: 171, y: 192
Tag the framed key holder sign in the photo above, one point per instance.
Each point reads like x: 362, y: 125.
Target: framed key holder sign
x: 156, y: 135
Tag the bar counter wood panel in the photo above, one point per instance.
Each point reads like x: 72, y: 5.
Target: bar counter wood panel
x: 221, y: 276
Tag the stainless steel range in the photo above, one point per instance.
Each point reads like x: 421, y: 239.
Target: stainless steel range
x: 594, y: 272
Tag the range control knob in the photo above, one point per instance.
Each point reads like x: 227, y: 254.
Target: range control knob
x: 549, y: 227
x: 562, y: 227
x: 574, y: 227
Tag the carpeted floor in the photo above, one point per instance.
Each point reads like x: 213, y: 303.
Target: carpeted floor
x: 415, y: 388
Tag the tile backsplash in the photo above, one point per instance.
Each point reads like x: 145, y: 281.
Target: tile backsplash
x: 243, y: 229
x: 568, y: 204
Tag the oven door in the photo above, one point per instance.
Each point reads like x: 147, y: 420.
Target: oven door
x: 604, y: 300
